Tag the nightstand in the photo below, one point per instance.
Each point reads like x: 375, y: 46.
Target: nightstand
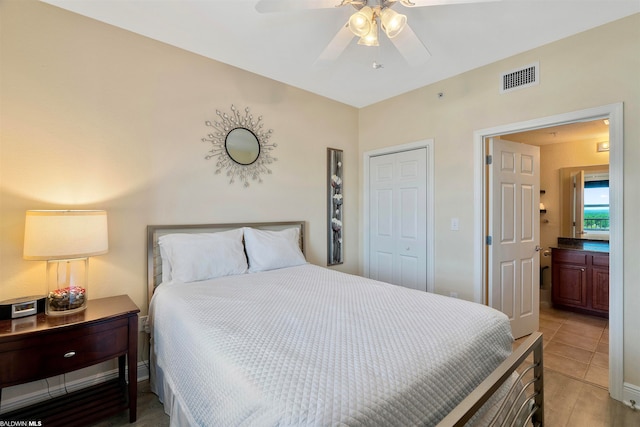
x: 41, y: 346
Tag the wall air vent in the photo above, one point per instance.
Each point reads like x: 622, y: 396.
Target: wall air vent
x: 520, y: 78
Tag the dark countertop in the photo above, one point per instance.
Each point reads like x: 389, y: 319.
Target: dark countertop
x: 583, y: 244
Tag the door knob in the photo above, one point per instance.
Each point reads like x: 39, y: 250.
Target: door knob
x: 538, y: 248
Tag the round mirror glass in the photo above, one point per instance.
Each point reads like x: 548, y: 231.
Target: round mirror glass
x: 242, y: 145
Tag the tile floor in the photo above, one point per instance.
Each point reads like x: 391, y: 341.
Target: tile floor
x: 576, y: 345
x: 576, y: 374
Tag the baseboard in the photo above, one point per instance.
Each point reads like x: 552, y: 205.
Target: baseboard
x: 143, y: 370
x: 631, y: 395
x: 47, y: 392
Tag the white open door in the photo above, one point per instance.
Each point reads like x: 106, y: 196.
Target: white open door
x: 514, y: 229
x: 398, y: 218
x: 578, y: 205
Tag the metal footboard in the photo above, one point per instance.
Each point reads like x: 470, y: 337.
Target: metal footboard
x: 524, y: 402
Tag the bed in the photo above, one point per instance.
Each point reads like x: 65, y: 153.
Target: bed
x: 278, y: 341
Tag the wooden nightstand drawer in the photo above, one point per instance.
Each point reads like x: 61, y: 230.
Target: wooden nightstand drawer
x: 80, y: 352
x: 14, y: 366
x: 44, y: 356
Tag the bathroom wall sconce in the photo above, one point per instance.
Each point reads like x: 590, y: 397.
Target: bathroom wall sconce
x: 603, y: 146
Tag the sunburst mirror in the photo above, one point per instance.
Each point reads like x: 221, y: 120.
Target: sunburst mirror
x: 241, y: 146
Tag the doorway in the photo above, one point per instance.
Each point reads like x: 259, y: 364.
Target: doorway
x: 572, y: 165
x: 574, y: 204
x: 614, y: 113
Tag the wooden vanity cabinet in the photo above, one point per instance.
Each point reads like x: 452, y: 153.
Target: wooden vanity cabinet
x: 580, y: 281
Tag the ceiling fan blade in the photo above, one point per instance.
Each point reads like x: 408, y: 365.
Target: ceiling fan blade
x: 336, y: 46
x: 410, y: 47
x: 268, y: 6
x: 421, y: 3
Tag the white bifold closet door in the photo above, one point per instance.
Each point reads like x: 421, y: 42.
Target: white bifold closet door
x: 397, y: 218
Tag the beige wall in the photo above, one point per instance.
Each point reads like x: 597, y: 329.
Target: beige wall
x: 97, y: 117
x: 591, y: 69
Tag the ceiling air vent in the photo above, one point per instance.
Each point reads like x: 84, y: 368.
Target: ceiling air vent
x: 520, y: 78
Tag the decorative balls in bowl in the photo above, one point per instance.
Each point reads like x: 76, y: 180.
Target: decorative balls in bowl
x: 64, y: 299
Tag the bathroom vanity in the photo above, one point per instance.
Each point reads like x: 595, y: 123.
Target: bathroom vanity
x: 580, y: 276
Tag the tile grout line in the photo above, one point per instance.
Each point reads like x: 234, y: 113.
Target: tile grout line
x: 593, y: 354
x: 563, y: 321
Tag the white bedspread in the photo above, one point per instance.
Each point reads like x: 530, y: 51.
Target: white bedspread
x: 311, y: 346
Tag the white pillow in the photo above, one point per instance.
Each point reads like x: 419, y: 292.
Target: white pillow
x: 166, y: 265
x: 202, y: 256
x: 269, y: 250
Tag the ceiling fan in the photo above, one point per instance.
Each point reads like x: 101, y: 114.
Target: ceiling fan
x: 365, y: 22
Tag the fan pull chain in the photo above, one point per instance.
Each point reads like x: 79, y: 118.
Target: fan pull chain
x: 377, y: 65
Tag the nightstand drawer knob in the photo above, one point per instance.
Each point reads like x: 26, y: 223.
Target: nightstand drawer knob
x: 70, y: 354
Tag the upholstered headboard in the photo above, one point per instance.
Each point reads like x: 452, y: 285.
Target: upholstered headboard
x: 154, y: 262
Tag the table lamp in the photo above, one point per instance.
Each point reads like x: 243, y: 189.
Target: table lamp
x: 65, y: 239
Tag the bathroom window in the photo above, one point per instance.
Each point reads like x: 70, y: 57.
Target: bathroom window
x: 596, y: 206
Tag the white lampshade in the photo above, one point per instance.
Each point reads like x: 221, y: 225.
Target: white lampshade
x: 59, y: 234
x: 360, y: 23
x: 392, y: 22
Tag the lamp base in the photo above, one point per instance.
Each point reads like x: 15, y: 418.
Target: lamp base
x: 67, y: 283
x: 72, y: 299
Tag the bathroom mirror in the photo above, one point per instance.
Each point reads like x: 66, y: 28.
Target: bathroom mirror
x: 584, y: 202
x: 242, y: 145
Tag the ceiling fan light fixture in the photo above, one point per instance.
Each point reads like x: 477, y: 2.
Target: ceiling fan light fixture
x: 392, y: 22
x: 371, y: 38
x: 361, y: 22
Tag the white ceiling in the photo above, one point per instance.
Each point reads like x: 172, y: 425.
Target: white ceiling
x: 593, y: 131
x: 284, y: 46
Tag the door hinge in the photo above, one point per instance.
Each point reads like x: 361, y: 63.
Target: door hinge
x: 489, y: 240
x: 489, y: 159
